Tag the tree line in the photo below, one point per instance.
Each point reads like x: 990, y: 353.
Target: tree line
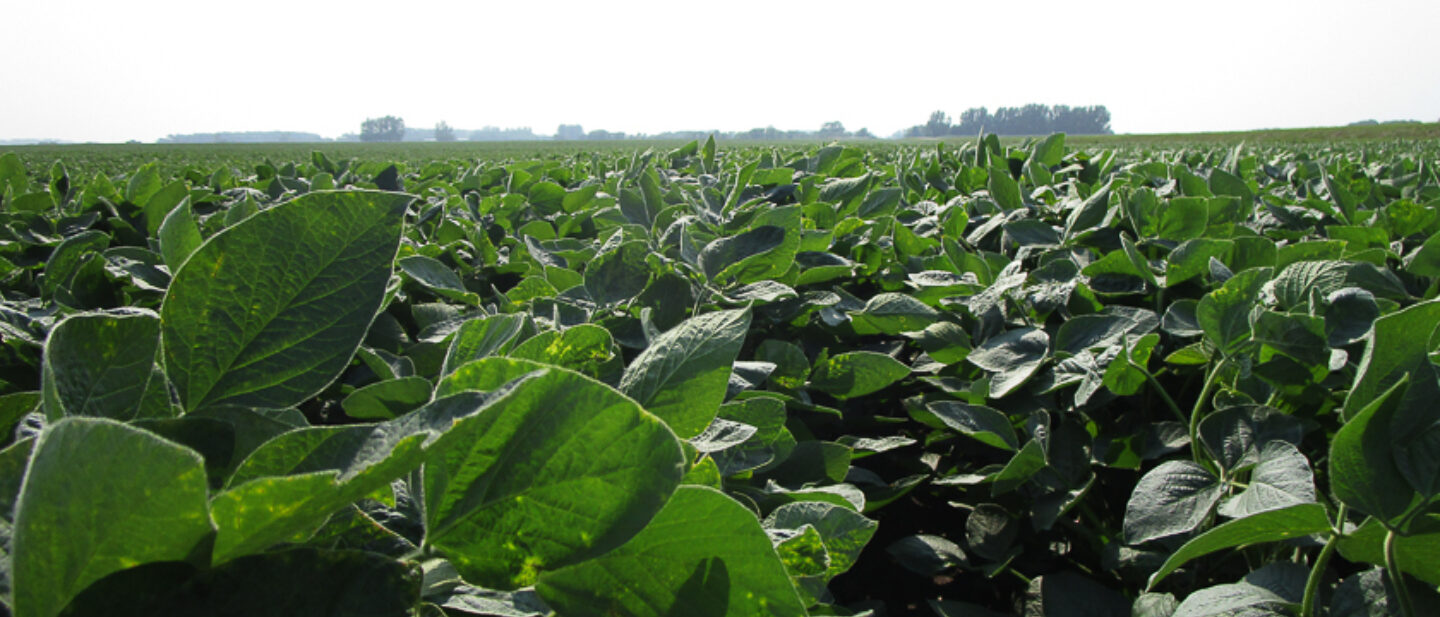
x: 1032, y: 119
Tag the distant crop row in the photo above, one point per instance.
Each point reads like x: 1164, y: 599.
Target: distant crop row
x: 951, y: 379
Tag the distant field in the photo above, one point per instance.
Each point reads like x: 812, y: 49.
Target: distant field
x: 1272, y: 136
x: 87, y: 159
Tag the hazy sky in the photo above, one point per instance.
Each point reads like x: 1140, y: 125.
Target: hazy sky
x: 105, y: 70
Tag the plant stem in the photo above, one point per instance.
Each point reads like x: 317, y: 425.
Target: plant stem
x: 1397, y: 577
x: 1161, y: 389
x: 1317, y: 571
x: 1195, y: 450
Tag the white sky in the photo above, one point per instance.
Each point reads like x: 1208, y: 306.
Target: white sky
x: 108, y: 70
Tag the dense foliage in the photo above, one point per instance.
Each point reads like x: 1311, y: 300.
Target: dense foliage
x: 953, y: 379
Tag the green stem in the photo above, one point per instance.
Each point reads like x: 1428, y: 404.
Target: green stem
x: 1161, y: 390
x: 1317, y: 571
x: 1195, y: 450
x: 1397, y: 578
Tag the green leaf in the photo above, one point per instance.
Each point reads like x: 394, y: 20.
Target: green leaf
x: 100, y: 364
x: 482, y: 337
x: 1192, y: 258
x: 288, y: 487
x: 1004, y: 190
x: 1363, y: 473
x: 435, y: 276
x: 1126, y: 373
x: 99, y: 497
x: 792, y: 368
x: 1224, y: 314
x: 926, y: 555
x: 1425, y: 261
x: 1101, y: 330
x: 1350, y: 313
x: 1397, y: 348
x: 1014, y: 356
x: 1021, y: 467
x: 1154, y: 605
x: 144, y: 183
x: 682, y: 376
x: 1171, y: 499
x: 581, y: 348
x: 1225, y: 183
x: 68, y: 257
x: 179, y: 235
x: 561, y: 471
x: 856, y: 373
x: 986, y: 425
x: 1417, y: 555
x: 13, y: 175
x: 1236, y: 436
x: 1276, y: 525
x: 1183, y: 218
x: 161, y: 203
x: 843, y: 531
x: 485, y: 375
x: 299, y: 582
x: 269, y: 311
x: 749, y: 257
x: 703, y: 555
x: 1297, y: 335
x: 990, y: 530
x: 1282, y: 479
x: 387, y: 399
x: 893, y: 313
x: 619, y: 275
x: 770, y: 442
x: 803, y: 554
x: 1233, y: 600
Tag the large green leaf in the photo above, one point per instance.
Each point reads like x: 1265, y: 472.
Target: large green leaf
x: 843, y: 531
x: 269, y: 311
x: 1171, y: 499
x: 179, y: 236
x: 703, y: 555
x: 1398, y: 349
x: 984, y: 424
x: 1363, y: 473
x: 99, y: 497
x: 893, y: 313
x: 1224, y: 314
x: 100, y: 364
x: 1270, y: 526
x: 618, y: 275
x: 434, y: 275
x: 288, y: 487
x: 1013, y: 356
x: 856, y: 373
x: 1282, y: 479
x: 682, y: 376
x: 745, y: 258
x: 563, y: 470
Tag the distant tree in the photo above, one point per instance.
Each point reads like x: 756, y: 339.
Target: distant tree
x: 443, y: 132
x: 388, y: 128
x: 938, y: 125
x: 864, y: 133
x: 570, y: 132
x: 832, y: 130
